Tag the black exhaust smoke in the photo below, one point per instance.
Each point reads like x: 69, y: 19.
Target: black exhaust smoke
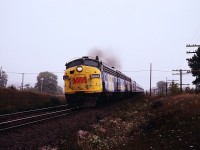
x: 107, y: 57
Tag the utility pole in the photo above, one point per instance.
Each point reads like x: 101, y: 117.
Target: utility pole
x: 189, y: 52
x: 166, y: 87
x: 193, y: 45
x: 181, y: 74
x: 171, y: 81
x: 0, y: 72
x: 22, y: 85
x: 150, y: 76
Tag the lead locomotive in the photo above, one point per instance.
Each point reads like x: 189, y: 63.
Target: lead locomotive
x: 90, y: 82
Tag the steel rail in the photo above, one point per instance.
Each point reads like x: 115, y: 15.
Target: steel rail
x: 46, y: 116
x: 35, y: 116
x: 32, y: 122
x: 33, y: 110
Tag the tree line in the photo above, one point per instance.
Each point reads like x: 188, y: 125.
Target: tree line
x: 194, y: 64
x: 172, y: 88
x: 46, y: 82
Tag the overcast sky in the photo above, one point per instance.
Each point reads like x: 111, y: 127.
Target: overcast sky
x: 42, y: 35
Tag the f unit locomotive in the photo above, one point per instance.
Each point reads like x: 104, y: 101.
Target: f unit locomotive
x: 90, y: 82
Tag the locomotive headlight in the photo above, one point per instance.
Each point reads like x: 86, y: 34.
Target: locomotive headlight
x: 79, y: 68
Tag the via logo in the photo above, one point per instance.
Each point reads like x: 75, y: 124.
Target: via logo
x: 80, y: 80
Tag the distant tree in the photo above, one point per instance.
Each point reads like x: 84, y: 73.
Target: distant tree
x: 154, y: 91
x: 46, y: 82
x: 194, y: 64
x: 12, y: 87
x: 3, y: 79
x: 189, y: 90
x: 174, y: 89
x: 161, y: 86
x: 28, y: 87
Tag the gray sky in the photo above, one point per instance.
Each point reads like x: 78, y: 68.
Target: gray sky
x: 42, y: 35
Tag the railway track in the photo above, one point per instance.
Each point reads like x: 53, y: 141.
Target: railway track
x: 25, y: 118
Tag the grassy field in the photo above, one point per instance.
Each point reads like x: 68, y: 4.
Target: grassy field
x: 12, y: 100
x: 175, y: 124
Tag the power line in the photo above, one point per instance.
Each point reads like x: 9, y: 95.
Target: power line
x: 198, y: 36
x: 9, y: 72
x: 148, y: 71
x: 30, y: 72
x: 192, y: 45
x: 0, y: 71
x: 195, y: 35
x: 23, y: 76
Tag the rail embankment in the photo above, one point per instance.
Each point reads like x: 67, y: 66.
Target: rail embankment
x: 12, y: 100
x: 164, y: 123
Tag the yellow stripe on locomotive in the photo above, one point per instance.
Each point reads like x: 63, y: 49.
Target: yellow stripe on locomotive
x: 85, y: 79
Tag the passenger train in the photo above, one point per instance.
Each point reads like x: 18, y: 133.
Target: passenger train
x: 90, y: 82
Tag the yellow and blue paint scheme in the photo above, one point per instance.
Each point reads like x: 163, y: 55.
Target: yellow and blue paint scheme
x: 90, y: 80
x: 87, y: 81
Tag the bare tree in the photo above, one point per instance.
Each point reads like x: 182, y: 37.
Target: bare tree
x: 161, y: 86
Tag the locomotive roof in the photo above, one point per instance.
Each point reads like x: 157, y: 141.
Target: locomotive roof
x: 84, y: 57
x: 97, y: 59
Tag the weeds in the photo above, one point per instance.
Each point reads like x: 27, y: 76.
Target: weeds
x: 170, y: 123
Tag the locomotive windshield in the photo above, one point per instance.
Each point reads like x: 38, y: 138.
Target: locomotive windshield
x: 87, y: 62
x: 74, y: 63
x: 90, y: 62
